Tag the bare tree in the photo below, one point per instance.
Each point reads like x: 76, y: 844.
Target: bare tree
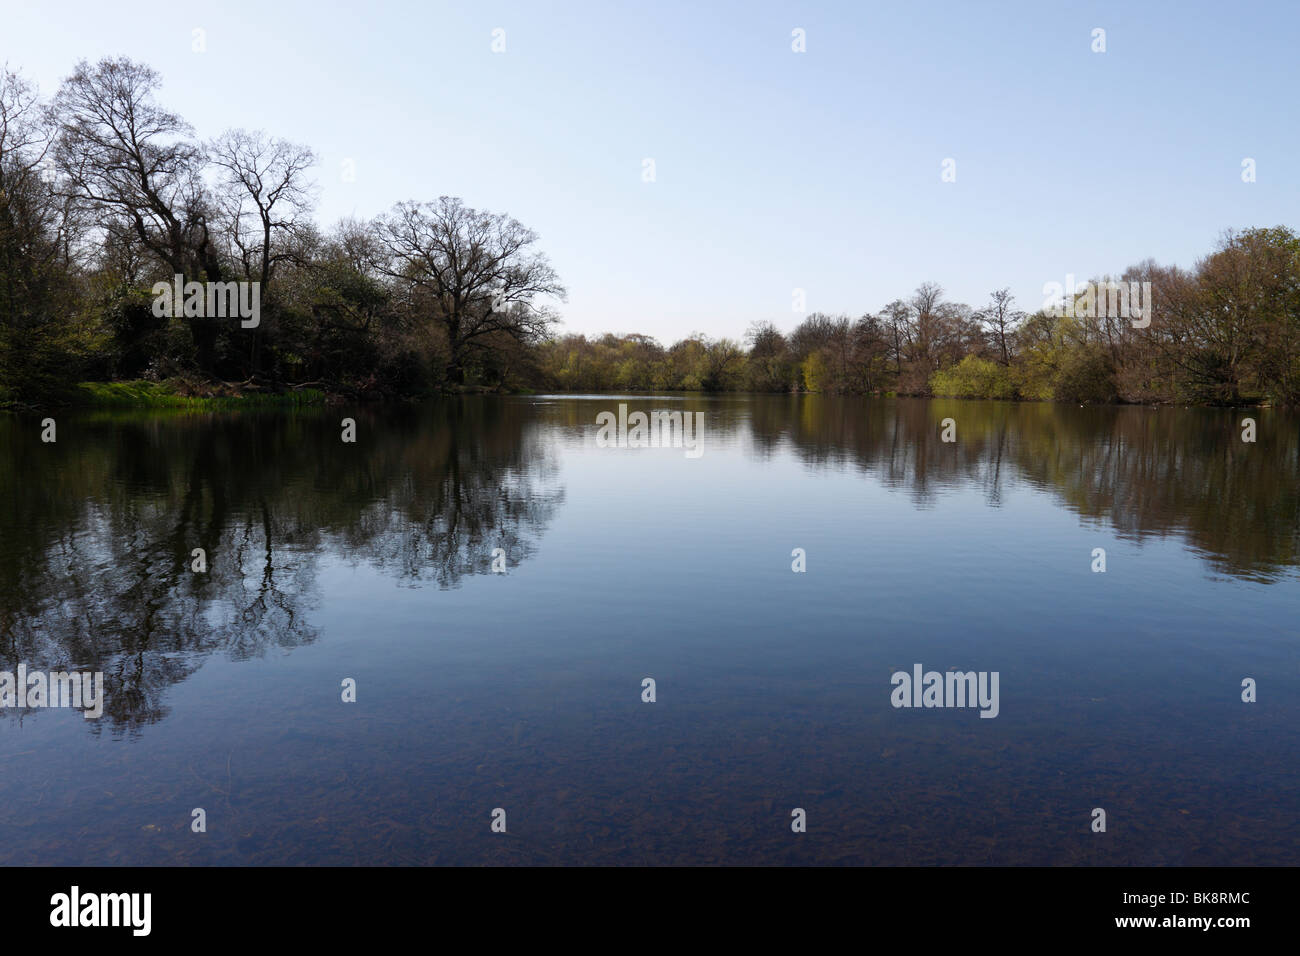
x: 895, y: 316
x: 265, y: 199
x: 1001, y: 319
x: 474, y: 273
x: 926, y: 323
x: 30, y: 214
x: 768, y: 367
x: 870, y: 353
x: 138, y: 169
x: 723, y: 361
x: 135, y: 162
x: 959, y: 333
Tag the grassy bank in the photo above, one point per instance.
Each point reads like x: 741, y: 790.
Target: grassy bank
x: 168, y: 394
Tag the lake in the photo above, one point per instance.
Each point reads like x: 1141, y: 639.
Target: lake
x: 499, y: 585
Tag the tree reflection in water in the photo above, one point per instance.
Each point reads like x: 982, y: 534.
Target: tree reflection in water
x: 100, y: 528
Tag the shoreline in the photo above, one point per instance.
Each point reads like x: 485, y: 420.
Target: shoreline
x: 180, y: 395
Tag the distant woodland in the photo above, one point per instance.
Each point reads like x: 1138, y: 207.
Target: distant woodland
x: 104, y: 192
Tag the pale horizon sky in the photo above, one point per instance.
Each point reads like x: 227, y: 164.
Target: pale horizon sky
x: 775, y: 170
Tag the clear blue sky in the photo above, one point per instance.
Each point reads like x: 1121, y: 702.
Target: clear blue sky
x: 775, y: 170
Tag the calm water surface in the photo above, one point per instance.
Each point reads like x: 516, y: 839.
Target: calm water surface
x: 522, y: 690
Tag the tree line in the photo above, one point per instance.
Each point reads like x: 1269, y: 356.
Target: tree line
x: 104, y: 192
x: 1226, y: 331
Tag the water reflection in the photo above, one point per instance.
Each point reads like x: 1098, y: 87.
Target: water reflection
x: 99, y: 530
x: 1145, y: 472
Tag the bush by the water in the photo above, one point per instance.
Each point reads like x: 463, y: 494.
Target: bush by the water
x: 974, y: 377
x: 1086, y: 376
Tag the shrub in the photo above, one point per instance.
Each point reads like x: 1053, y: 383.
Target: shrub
x: 974, y: 377
x: 1086, y: 376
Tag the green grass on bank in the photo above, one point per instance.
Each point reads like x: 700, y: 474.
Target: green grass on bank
x: 142, y: 394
